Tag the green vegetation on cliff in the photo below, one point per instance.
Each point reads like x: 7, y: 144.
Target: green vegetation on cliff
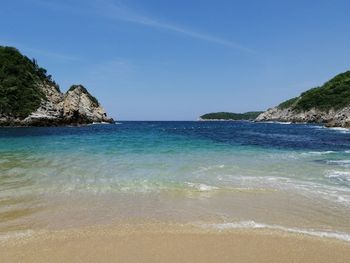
x: 251, y: 115
x: 334, y: 94
x: 19, y: 77
x: 287, y: 103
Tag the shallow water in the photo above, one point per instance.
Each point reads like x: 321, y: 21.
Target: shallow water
x: 211, y: 173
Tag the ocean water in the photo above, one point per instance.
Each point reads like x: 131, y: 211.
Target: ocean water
x: 222, y: 175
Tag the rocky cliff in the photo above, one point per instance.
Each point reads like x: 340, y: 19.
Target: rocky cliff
x: 29, y: 97
x: 328, y: 104
x: 331, y: 118
x: 76, y: 107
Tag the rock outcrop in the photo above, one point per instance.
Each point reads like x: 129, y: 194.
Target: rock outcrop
x: 79, y: 106
x: 328, y: 104
x: 29, y: 96
x: 331, y: 118
x: 76, y: 107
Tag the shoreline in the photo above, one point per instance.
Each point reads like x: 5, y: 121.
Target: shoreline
x: 163, y: 242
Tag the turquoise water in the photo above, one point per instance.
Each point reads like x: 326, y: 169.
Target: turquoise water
x: 295, y: 177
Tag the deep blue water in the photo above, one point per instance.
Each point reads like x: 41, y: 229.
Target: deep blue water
x: 267, y: 135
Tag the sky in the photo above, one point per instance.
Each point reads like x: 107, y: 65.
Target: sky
x: 177, y: 60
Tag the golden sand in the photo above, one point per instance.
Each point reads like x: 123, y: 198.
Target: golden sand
x: 170, y: 243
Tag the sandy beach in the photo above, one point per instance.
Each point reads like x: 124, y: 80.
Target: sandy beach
x: 170, y: 243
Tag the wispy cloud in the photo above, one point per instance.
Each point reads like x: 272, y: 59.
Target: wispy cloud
x: 121, y: 12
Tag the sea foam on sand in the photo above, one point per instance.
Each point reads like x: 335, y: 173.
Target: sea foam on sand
x: 254, y: 225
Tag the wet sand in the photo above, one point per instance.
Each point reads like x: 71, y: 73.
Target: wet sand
x: 170, y: 243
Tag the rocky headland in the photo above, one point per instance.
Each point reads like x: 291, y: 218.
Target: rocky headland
x: 29, y: 96
x: 328, y: 104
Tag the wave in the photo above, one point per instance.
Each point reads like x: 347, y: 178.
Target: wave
x: 208, y: 168
x: 340, y: 129
x: 253, y: 225
x: 340, y: 175
x: 99, y: 123
x: 202, y: 187
x: 318, y: 152
x: 277, y: 122
x: 343, y: 163
x: 315, y: 126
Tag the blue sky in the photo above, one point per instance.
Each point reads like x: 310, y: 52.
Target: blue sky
x: 176, y: 60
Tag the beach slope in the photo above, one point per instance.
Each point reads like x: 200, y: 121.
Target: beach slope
x: 169, y: 243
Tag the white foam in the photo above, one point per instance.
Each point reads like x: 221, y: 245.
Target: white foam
x: 342, y: 199
x: 317, y: 127
x: 319, y: 153
x: 99, y: 123
x: 342, y: 175
x: 339, y: 161
x: 208, y: 168
x: 283, y: 123
x: 277, y: 122
x: 13, y: 235
x: 202, y: 187
x: 253, y: 225
x: 340, y: 129
x: 343, y: 163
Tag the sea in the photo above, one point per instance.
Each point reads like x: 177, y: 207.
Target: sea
x: 216, y: 175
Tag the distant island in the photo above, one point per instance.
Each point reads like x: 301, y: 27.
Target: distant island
x: 328, y: 104
x: 251, y: 115
x: 30, y: 97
